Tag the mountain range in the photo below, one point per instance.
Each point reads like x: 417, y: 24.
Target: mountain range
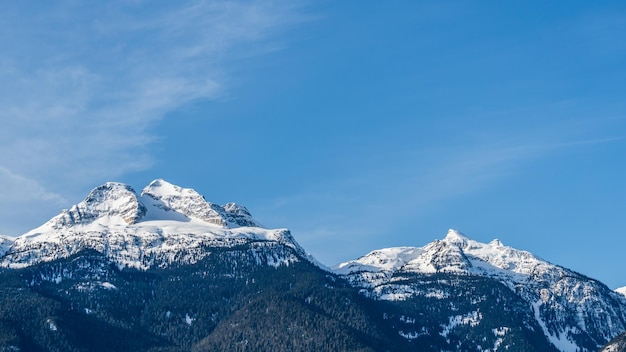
x: 166, y: 270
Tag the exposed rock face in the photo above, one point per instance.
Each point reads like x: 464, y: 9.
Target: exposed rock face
x: 239, y: 215
x: 186, y: 201
x: 113, y: 200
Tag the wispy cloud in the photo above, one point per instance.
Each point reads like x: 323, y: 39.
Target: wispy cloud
x: 81, y: 85
x: 24, y: 198
x: 26, y: 188
x: 467, y: 169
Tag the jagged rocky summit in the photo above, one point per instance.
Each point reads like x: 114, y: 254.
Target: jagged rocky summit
x: 164, y: 224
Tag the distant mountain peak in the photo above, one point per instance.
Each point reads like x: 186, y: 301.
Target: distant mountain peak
x: 551, y: 290
x: 456, y: 237
x: 186, y: 201
x: 115, y: 201
x: 496, y: 243
x: 160, y: 186
x: 189, y: 203
x: 454, y: 253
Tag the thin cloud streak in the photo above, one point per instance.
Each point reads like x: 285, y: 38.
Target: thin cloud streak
x: 25, y: 187
x: 79, y: 103
x: 472, y: 170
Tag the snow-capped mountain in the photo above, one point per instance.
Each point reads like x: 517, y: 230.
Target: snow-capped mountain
x: 165, y: 224
x: 456, y: 253
x: 119, y: 259
x: 573, y: 311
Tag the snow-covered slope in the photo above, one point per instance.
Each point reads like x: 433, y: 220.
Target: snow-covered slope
x: 174, y: 201
x: 454, y: 254
x: 621, y: 291
x: 570, y: 308
x: 166, y: 224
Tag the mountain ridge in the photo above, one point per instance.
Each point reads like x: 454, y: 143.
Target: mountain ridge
x: 451, y: 293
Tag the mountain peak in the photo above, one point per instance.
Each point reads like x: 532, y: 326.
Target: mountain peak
x: 186, y: 201
x: 496, y: 243
x: 117, y: 202
x: 161, y: 187
x: 191, y: 204
x: 455, y: 253
x: 456, y: 237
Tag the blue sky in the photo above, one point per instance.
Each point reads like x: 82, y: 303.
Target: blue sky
x: 358, y: 125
